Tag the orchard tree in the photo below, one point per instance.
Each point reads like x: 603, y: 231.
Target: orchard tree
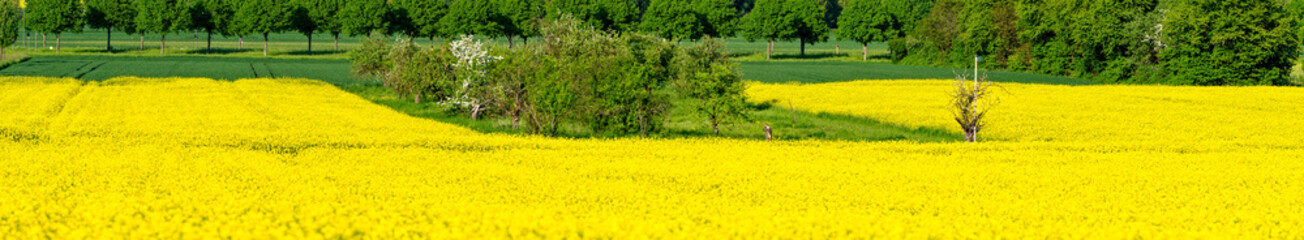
x: 322, y: 14
x: 608, y: 15
x: 111, y: 15
x: 767, y: 21
x: 672, y: 19
x: 620, y: 15
x: 162, y: 17
x: 55, y: 16
x: 264, y: 17
x: 362, y: 17
x: 866, y: 21
x: 719, y: 17
x: 222, y: 17
x: 471, y: 17
x: 519, y: 18
x: 201, y: 19
x: 807, y: 22
x: 301, y: 21
x: 9, y: 20
x: 424, y: 16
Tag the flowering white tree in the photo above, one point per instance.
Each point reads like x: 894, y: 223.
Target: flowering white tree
x: 473, y: 64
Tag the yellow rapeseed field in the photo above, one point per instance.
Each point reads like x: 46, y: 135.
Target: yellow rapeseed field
x: 260, y: 158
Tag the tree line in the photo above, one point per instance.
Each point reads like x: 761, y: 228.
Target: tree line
x: 779, y: 20
x: 1178, y: 42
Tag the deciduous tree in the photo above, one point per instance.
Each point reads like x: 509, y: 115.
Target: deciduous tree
x: 672, y: 19
x: 111, y: 15
x: 10, y: 18
x: 264, y: 17
x: 866, y: 21
x: 55, y: 17
x: 162, y: 17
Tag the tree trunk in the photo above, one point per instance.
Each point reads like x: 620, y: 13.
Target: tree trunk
x: 57, y: 40
x: 163, y: 44
x: 769, y: 48
x: 337, y: 41
x: 241, y: 45
x: 864, y: 52
x: 510, y: 42
x: 210, y: 40
x: 475, y: 112
x: 43, y: 41
x: 265, y: 40
x: 516, y: 118
x: 969, y: 136
x: 715, y: 127
x: 803, y: 46
x: 142, y: 41
x: 109, y: 40
x: 416, y: 98
x: 309, y: 44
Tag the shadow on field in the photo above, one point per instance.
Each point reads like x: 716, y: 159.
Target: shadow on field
x: 315, y: 52
x: 220, y: 51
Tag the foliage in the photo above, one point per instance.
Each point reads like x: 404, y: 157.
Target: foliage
x: 472, y: 17
x: 10, y: 19
x: 607, y: 15
x: 673, y: 19
x: 114, y: 15
x: 163, y: 17
x: 519, y: 18
x: 719, y: 17
x: 707, y: 76
x: 55, y: 16
x: 807, y: 22
x: 363, y: 17
x: 370, y: 59
x: 322, y: 14
x: 1183, y: 42
x: 867, y: 21
x: 1250, y: 42
x: 424, y: 16
x: 269, y: 16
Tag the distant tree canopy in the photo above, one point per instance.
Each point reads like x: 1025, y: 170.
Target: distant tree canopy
x: 56, y: 17
x: 10, y: 17
x: 162, y: 17
x: 1184, y: 42
x: 111, y: 15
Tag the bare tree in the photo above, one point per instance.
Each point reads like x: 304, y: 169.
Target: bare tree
x: 970, y: 103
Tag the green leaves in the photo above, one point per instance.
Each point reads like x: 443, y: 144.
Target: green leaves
x: 162, y: 16
x: 866, y: 21
x: 55, y: 16
x: 672, y: 19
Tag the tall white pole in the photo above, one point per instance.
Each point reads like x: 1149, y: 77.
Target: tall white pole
x: 975, y: 95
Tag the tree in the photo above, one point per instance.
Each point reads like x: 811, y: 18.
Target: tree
x: 424, y: 16
x: 55, y: 16
x: 301, y: 21
x: 806, y: 22
x: 363, y: 17
x: 707, y: 76
x: 201, y: 19
x: 264, y: 17
x: 111, y: 14
x: 719, y: 17
x: 162, y: 17
x: 866, y: 21
x: 608, y: 15
x: 222, y: 17
x: 471, y: 17
x: 322, y: 14
x: 10, y: 17
x: 672, y: 19
x: 1248, y: 42
x: 970, y: 103
x: 767, y: 21
x: 519, y: 18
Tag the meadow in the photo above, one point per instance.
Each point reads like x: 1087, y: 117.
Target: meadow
x: 291, y: 158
